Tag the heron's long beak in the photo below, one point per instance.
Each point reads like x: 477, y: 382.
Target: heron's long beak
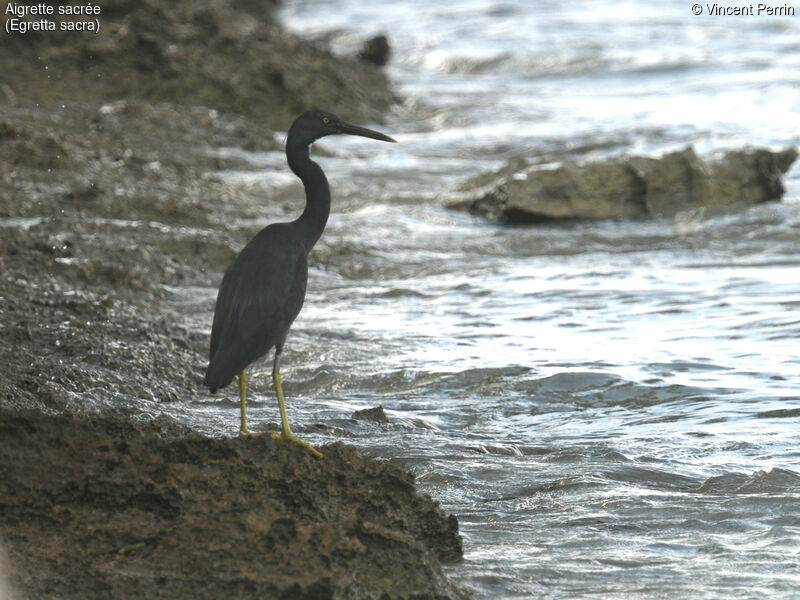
x: 351, y: 129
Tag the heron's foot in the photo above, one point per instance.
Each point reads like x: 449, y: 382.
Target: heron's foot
x: 247, y: 433
x: 291, y: 438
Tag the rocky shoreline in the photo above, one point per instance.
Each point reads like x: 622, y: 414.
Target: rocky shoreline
x: 108, y: 199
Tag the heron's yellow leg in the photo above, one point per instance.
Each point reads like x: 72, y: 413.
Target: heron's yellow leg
x: 243, y: 400
x: 286, y: 432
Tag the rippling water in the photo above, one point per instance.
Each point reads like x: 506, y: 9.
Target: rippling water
x: 609, y: 408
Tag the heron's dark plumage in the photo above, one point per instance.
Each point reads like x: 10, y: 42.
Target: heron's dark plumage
x: 257, y: 302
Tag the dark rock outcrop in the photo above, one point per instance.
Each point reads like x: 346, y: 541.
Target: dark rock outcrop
x: 375, y: 415
x: 104, y: 507
x: 231, y: 55
x: 633, y: 187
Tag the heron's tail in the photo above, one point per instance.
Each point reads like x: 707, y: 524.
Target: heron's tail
x: 228, y: 361
x: 218, y: 375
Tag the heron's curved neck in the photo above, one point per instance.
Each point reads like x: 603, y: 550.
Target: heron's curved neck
x: 311, y: 223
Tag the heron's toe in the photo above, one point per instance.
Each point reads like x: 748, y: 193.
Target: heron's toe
x: 291, y: 438
x: 244, y: 431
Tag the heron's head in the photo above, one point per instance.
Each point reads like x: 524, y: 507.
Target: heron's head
x: 315, y: 124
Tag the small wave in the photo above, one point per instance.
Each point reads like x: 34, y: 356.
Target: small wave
x: 653, y: 478
x: 774, y: 481
x: 478, y: 380
x: 400, y: 293
x: 689, y: 366
x: 439, y: 60
x: 586, y: 389
x: 558, y: 486
x: 580, y: 381
x: 780, y: 413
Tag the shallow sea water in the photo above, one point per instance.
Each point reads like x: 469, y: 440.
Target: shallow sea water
x: 611, y: 408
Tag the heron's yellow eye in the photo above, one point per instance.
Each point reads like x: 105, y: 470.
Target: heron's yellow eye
x: 326, y: 120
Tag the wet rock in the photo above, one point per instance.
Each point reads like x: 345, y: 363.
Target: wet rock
x: 376, y: 50
x: 375, y: 415
x: 6, y: 591
x: 29, y: 147
x: 633, y: 187
x: 231, y: 55
x: 105, y: 507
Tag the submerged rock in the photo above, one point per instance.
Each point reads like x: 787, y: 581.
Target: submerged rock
x: 106, y: 507
x: 633, y: 187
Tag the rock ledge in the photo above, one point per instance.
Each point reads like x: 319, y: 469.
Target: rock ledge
x: 106, y: 507
x: 633, y: 187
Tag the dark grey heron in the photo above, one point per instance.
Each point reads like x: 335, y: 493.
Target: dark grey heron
x: 262, y: 292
